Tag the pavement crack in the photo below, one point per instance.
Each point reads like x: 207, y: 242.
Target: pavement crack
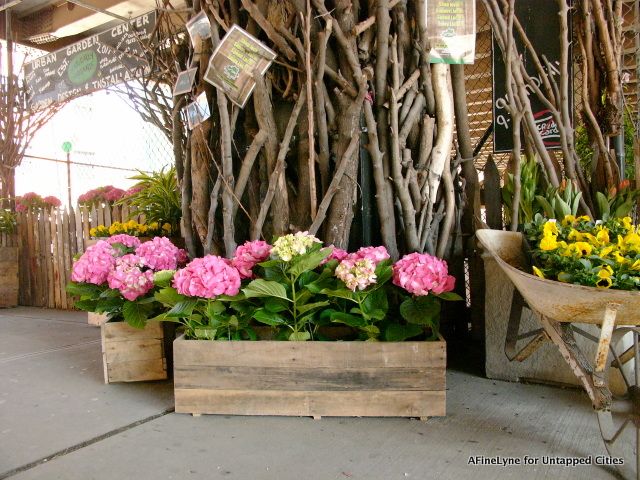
x: 86, y: 443
x: 49, y: 350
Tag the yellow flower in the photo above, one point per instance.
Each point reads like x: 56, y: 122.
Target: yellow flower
x: 604, y: 283
x: 585, y: 218
x: 538, y: 272
x: 626, y: 223
x: 582, y: 248
x: 568, y: 220
x: 606, y: 251
x: 636, y: 265
x: 631, y: 241
x: 93, y: 232
x: 549, y: 243
x: 166, y: 227
x: 550, y: 228
x: 619, y: 258
x: 603, y: 235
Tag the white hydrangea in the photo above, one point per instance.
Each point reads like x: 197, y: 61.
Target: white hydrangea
x: 293, y: 245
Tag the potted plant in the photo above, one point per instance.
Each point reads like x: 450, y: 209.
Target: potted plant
x: 9, y: 281
x: 117, y: 277
x: 260, y: 331
x: 156, y: 196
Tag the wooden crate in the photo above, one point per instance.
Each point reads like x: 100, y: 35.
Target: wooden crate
x: 372, y: 379
x: 131, y: 354
x: 96, y: 319
x: 9, y: 283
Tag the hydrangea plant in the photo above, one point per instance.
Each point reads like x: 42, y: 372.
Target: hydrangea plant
x: 299, y: 289
x: 117, y: 276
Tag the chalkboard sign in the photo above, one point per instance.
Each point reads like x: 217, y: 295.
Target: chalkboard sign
x: 94, y: 63
x: 540, y: 21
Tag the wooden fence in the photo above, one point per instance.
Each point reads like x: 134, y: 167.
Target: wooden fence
x: 48, y: 241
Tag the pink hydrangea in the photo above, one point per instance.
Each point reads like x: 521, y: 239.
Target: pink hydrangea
x: 207, y: 277
x: 53, y: 201
x: 127, y: 240
x: 375, y: 254
x: 113, y: 194
x: 356, y: 273
x: 248, y: 255
x: 95, y: 264
x: 160, y: 254
x: 336, y: 254
x: 421, y: 274
x: 127, y: 277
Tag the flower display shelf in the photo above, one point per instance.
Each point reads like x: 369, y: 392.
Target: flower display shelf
x: 368, y: 379
x: 133, y: 355
x: 9, y: 283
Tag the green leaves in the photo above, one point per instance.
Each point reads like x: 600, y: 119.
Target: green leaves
x: 308, y: 261
x: 265, y: 288
x: 300, y: 336
x: 183, y: 308
x: 269, y: 318
x: 400, y: 333
x: 82, y: 289
x: 168, y: 296
x: 420, y: 310
x: 135, y: 314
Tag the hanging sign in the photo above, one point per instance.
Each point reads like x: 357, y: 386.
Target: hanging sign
x: 451, y: 29
x: 113, y: 56
x: 184, y: 81
x: 540, y: 21
x: 234, y: 62
x: 198, y: 111
x: 199, y: 28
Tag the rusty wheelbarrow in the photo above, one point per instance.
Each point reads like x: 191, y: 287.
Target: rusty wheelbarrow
x: 560, y: 307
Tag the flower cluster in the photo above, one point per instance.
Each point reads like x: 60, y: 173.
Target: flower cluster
x: 125, y: 264
x: 100, y: 196
x: 95, y: 264
x: 422, y: 274
x: 293, y: 245
x: 581, y: 251
x: 248, y: 255
x: 160, y: 254
x: 32, y: 202
x: 128, y: 277
x: 207, y: 277
x: 356, y: 274
x: 132, y: 228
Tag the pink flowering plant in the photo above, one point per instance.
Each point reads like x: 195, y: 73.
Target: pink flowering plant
x: 119, y: 276
x: 96, y: 197
x: 32, y: 202
x: 297, y: 289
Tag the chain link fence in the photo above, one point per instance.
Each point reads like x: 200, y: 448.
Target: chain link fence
x: 110, y: 142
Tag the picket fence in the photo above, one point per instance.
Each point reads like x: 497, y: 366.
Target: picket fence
x: 47, y: 243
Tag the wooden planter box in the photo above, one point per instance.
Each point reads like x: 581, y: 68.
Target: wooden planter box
x: 9, y: 283
x: 131, y: 354
x: 372, y: 379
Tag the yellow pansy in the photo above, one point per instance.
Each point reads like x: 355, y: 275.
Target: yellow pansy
x: 602, y: 236
x: 621, y: 259
x: 627, y: 224
x: 631, y: 240
x: 604, y: 282
x: 584, y: 218
x: 166, y: 227
x: 568, y: 220
x: 635, y: 265
x: 583, y: 248
x: 606, y: 251
x: 604, y: 277
x: 538, y: 272
x: 549, y: 243
x: 550, y: 228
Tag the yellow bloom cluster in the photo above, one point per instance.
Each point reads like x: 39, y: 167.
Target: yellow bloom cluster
x: 578, y: 250
x: 132, y: 228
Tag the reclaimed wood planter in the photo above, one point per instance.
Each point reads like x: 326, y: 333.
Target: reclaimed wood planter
x: 372, y: 379
x: 9, y: 283
x: 132, y: 354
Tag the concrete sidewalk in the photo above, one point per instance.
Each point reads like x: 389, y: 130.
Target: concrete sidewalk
x: 59, y: 421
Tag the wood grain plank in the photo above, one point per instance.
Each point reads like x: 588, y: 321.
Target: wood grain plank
x: 130, y: 350
x: 311, y: 403
x: 121, y: 331
x: 55, y: 259
x: 43, y: 260
x: 283, y: 378
x: 309, y: 354
x: 50, y: 300
x: 65, y: 276
x: 137, y: 371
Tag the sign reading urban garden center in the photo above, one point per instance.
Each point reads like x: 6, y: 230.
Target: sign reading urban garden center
x: 99, y: 61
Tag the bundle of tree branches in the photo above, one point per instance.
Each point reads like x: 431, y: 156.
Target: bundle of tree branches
x: 350, y: 77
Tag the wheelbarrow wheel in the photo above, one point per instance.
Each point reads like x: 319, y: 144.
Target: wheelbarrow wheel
x: 620, y: 424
